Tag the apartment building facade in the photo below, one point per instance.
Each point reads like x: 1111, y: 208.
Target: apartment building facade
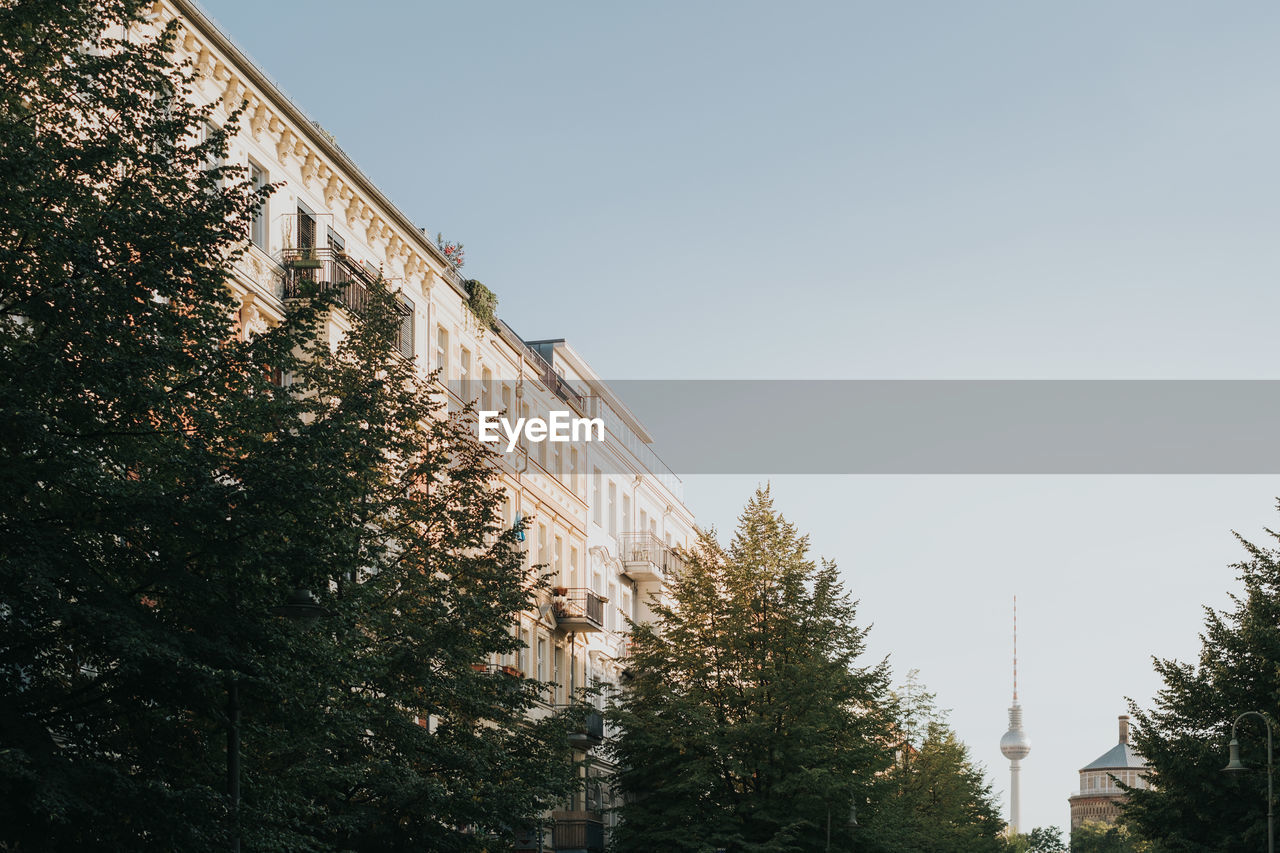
x: 605, y: 519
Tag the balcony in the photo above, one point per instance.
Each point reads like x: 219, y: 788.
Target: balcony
x: 577, y: 834
x: 309, y: 271
x: 646, y: 558
x: 578, y: 610
x: 588, y: 731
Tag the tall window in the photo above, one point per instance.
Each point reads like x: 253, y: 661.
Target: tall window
x: 506, y: 399
x: 626, y: 513
x: 306, y: 229
x: 542, y: 658
x: 258, y: 228
x: 543, y: 557
x: 613, y: 508
x: 597, y: 504
x: 464, y: 373
x: 558, y: 676
x: 523, y: 665
x: 574, y: 574
x: 404, y: 342
x: 486, y: 390
x: 442, y: 353
x: 557, y: 564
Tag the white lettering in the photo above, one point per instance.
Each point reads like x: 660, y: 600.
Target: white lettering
x: 560, y: 426
x: 489, y: 427
x: 536, y: 429
x: 513, y: 435
x: 587, y: 424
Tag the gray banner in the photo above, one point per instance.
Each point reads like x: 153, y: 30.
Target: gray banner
x: 956, y: 427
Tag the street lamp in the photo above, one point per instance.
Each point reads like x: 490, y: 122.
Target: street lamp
x: 302, y: 606
x: 1234, y: 765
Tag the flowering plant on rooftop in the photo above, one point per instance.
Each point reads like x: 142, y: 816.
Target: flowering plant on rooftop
x: 453, y: 251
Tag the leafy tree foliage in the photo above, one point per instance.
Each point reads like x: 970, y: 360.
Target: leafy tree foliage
x: 1097, y: 837
x: 749, y: 722
x: 1193, y: 806
x: 1042, y: 839
x: 934, y: 798
x: 161, y: 494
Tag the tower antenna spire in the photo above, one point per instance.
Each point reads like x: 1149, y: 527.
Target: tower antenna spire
x: 1015, y: 745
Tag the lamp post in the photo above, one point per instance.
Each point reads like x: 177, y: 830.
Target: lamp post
x: 301, y: 606
x: 1234, y: 765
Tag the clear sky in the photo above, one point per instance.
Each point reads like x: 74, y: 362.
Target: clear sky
x: 871, y: 190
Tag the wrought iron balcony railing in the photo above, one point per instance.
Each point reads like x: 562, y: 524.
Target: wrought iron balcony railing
x: 645, y: 557
x: 310, y: 270
x: 578, y: 609
x: 578, y: 836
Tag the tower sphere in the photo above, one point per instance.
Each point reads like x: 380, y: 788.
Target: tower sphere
x: 1015, y: 744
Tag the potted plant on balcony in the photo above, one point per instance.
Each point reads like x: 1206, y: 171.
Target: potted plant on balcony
x: 304, y: 258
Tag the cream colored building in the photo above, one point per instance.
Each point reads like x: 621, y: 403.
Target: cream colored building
x: 604, y: 517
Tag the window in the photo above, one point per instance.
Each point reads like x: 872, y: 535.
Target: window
x: 542, y: 454
x: 626, y: 513
x: 523, y: 665
x: 464, y: 374
x: 404, y: 343
x: 557, y: 462
x: 542, y: 658
x: 442, y: 353
x: 335, y: 242
x: 306, y: 229
x: 573, y: 472
x: 613, y: 508
x: 258, y: 227
x: 506, y: 398
x: 575, y: 577
x: 558, y: 565
x: 558, y: 677
x: 212, y: 159
x: 543, y: 557
x: 486, y: 390
x: 644, y: 521
x: 597, y: 507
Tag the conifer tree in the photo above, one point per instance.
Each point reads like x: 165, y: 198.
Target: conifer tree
x: 163, y: 492
x: 1193, y: 806
x: 750, y: 722
x: 934, y: 798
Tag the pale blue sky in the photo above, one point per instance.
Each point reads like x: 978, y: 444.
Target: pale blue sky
x: 858, y: 190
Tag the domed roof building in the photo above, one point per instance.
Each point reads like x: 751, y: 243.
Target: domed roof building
x: 1099, y: 797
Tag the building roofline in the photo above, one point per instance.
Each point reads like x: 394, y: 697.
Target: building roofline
x: 191, y: 12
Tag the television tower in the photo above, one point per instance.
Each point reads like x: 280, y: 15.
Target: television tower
x: 1015, y: 745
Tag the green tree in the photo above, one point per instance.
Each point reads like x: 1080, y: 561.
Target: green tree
x: 428, y: 583
x: 1097, y: 837
x: 1042, y: 839
x: 122, y: 387
x: 934, y: 798
x: 749, y: 722
x: 1193, y: 806
x: 162, y: 494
